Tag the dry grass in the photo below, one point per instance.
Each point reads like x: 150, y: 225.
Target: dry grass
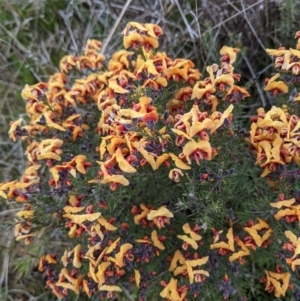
x: 35, y: 34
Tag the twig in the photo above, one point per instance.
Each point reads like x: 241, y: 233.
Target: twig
x: 230, y: 18
x: 13, y: 37
x: 200, y: 37
x: 106, y: 42
x: 128, y: 296
x: 262, y: 97
x: 190, y: 30
x: 251, y: 27
x: 67, y: 23
x: 9, y: 211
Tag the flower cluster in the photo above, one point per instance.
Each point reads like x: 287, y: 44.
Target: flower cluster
x: 274, y: 136
x: 131, y: 161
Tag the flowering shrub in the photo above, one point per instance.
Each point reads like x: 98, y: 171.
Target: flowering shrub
x: 151, y: 183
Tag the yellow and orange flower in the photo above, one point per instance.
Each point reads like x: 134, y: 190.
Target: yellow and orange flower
x: 160, y: 216
x: 256, y: 228
x: 276, y: 86
x: 277, y: 282
x: 193, y: 238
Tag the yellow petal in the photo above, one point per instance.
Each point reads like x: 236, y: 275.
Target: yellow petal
x: 295, y: 264
x: 101, y: 272
x: 276, y: 52
x: 131, y: 113
x: 137, y: 277
x: 277, y: 286
x: 102, y: 148
x: 161, y: 159
x: 133, y: 37
x: 199, y: 261
x: 219, y: 245
x: 195, y: 236
x: 223, y: 117
x: 254, y: 235
x: 76, y: 260
x: 92, y: 273
x: 180, y: 270
x: 202, y: 272
x: 79, y: 160
x: 71, y: 209
x: 149, y: 66
x: 116, y: 87
x: 181, y: 133
x: 292, y: 237
x: 179, y: 163
x: 231, y: 52
x: 156, y: 242
x: 107, y: 225
x: 113, y: 245
x: 161, y: 212
x: 230, y: 238
x: 97, y: 228
x: 188, y: 240
x: 199, y: 126
x: 177, y: 257
x: 187, y: 230
x: 172, y: 174
x: 285, y: 203
x: 56, y: 126
x: 170, y: 291
x: 124, y: 165
x: 120, y: 256
x: 283, y: 213
x: 115, y: 178
x: 238, y: 254
x: 192, y: 146
x: 149, y: 158
x: 262, y: 224
x: 25, y: 214
x: 190, y: 272
x: 49, y: 155
x: 80, y: 218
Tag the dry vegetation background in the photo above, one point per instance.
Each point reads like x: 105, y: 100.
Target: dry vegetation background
x: 35, y: 34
